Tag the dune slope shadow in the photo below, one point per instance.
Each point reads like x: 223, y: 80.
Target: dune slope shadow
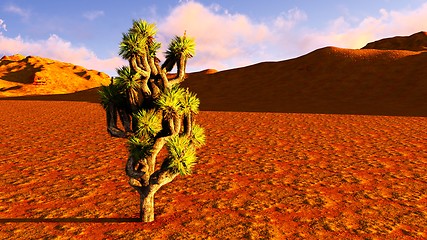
x: 90, y: 95
x: 21, y: 74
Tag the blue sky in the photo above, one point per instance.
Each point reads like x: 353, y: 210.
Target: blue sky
x: 228, y: 33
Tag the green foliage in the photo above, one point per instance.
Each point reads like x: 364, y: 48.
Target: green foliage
x: 148, y: 123
x: 138, y: 45
x: 111, y: 94
x: 146, y: 32
x: 190, y: 103
x: 153, y: 47
x: 139, y: 148
x: 127, y: 78
x: 181, y: 46
x: 182, y: 156
x: 143, y: 28
x: 198, y: 137
x: 132, y: 44
x: 170, y: 102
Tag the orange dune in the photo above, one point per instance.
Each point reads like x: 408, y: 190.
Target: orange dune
x: 33, y: 75
x: 329, y: 80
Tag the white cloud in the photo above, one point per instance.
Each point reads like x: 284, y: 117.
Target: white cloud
x: 289, y: 19
x: 58, y: 49
x: 92, y: 15
x: 228, y: 40
x: 222, y: 39
x: 2, y: 25
x: 346, y: 33
x: 25, y: 14
x: 225, y: 40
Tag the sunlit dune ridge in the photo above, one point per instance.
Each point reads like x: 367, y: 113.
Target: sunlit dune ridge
x: 34, y: 75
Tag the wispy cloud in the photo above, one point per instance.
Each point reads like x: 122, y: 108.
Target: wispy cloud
x: 344, y: 32
x: 24, y: 13
x: 2, y: 25
x: 227, y: 40
x: 92, y: 15
x: 58, y: 49
x: 223, y: 39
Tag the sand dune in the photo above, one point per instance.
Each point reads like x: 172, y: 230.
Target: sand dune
x: 415, y: 42
x: 329, y: 80
x: 32, y: 75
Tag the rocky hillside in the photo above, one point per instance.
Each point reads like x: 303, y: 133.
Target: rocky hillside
x: 20, y: 75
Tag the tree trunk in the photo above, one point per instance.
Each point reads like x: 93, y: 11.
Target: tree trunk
x: 147, y: 208
x: 125, y: 118
x: 157, y: 180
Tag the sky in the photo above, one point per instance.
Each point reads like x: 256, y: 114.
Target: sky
x: 228, y: 33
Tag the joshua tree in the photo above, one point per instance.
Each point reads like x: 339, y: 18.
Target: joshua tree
x: 154, y: 111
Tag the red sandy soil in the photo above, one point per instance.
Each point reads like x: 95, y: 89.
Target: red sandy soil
x: 260, y: 176
x: 286, y: 175
x: 20, y: 76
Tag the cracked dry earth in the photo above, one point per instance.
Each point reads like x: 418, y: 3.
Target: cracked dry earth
x: 260, y: 176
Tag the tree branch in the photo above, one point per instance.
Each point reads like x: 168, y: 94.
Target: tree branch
x: 152, y: 63
x: 158, y: 145
x: 177, y: 125
x: 130, y: 168
x: 111, y: 112
x: 136, y: 67
x: 180, y: 72
x: 160, y: 178
x: 163, y: 76
x: 188, y: 122
x: 155, y: 89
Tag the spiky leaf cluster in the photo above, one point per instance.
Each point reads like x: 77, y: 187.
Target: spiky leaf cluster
x: 153, y: 47
x: 143, y: 28
x: 139, y: 148
x: 198, y: 137
x: 190, y: 103
x: 170, y: 102
x: 139, y: 39
x: 131, y: 45
x: 127, y: 78
x: 177, y: 101
x: 146, y: 31
x: 182, y: 155
x: 111, y: 94
x: 181, y: 46
x: 148, y: 123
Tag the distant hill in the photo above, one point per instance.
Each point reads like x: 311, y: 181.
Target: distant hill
x: 33, y: 75
x: 329, y: 80
x: 415, y: 42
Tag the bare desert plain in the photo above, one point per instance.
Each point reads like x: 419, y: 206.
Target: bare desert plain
x: 260, y: 176
x: 294, y: 151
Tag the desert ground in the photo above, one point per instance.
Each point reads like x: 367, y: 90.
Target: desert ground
x: 329, y: 145
x: 260, y: 176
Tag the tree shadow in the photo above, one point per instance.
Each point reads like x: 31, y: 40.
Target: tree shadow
x: 69, y: 220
